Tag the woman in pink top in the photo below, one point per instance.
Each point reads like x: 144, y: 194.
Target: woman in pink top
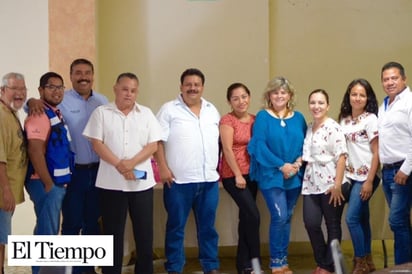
x: 235, y: 133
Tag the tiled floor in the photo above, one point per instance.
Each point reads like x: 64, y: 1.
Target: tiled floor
x: 300, y: 260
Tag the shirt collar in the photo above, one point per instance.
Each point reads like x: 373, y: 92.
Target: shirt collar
x: 399, y: 96
x: 136, y: 107
x: 78, y: 95
x: 179, y: 101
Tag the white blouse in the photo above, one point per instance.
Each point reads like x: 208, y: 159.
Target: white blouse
x: 321, y: 151
x: 359, y: 133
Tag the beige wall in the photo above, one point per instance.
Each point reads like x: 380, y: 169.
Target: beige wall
x: 326, y: 44
x: 24, y: 49
x: 314, y: 43
x: 72, y: 34
x: 24, y: 39
x: 158, y: 40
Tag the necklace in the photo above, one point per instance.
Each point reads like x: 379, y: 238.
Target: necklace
x: 282, y: 119
x: 355, y: 118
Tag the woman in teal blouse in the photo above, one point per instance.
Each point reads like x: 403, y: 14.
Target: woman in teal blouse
x: 275, y: 150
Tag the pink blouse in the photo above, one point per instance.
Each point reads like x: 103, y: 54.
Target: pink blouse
x: 242, y: 132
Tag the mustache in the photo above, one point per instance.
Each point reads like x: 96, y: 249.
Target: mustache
x: 83, y: 80
x: 192, y: 91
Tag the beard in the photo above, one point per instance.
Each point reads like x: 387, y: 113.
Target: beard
x: 16, y: 106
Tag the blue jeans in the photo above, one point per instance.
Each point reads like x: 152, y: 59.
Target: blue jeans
x: 81, y: 204
x: 47, y: 206
x: 179, y: 199
x: 399, y: 201
x: 357, y: 219
x: 5, y: 225
x: 280, y: 203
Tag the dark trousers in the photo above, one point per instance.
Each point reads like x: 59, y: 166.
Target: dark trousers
x: 249, y: 220
x: 114, y: 206
x: 80, y: 208
x: 315, y: 208
x: 81, y: 205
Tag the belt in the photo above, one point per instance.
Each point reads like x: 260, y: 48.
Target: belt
x: 87, y: 166
x: 393, y: 165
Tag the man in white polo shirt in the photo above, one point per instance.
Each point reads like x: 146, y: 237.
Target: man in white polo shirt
x: 395, y: 152
x: 187, y: 159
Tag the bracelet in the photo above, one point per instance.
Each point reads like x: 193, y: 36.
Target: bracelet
x: 299, y: 164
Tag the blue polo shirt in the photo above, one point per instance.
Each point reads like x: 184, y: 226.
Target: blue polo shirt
x: 76, y: 112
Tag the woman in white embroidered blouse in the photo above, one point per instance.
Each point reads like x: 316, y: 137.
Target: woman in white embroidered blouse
x: 324, y: 150
x: 358, y: 118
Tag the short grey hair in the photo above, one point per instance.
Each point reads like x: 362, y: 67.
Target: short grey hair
x: 11, y: 75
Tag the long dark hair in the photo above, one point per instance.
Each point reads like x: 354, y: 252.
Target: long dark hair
x: 371, y: 102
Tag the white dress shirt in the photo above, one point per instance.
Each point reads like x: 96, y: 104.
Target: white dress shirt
x: 191, y: 142
x: 395, y: 131
x: 125, y: 136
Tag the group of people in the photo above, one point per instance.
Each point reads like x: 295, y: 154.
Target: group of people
x: 49, y: 156
x: 91, y: 159
x: 328, y: 162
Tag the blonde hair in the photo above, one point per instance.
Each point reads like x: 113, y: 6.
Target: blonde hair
x: 276, y: 84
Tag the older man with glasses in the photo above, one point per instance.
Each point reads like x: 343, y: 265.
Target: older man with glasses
x: 13, y: 154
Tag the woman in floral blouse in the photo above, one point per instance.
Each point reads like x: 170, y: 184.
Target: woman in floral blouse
x: 324, y: 150
x: 360, y: 126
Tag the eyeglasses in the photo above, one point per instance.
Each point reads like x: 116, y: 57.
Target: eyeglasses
x: 54, y: 88
x: 16, y: 88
